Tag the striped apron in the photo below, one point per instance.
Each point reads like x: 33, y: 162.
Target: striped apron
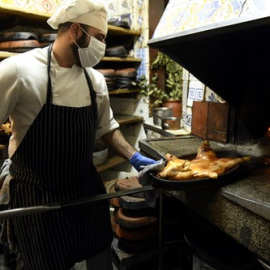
x: 54, y: 163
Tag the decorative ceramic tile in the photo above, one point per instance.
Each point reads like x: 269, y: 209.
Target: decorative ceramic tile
x: 112, y: 7
x: 195, y: 92
x: 125, y: 6
x: 140, y: 22
x: 49, y: 5
x: 45, y: 6
x: 256, y: 6
x: 143, y: 54
x: 143, y: 39
x: 191, y: 96
x: 172, y: 15
x: 187, y: 119
x: 142, y: 109
x: 182, y: 15
x: 140, y: 4
x: 140, y: 8
x: 211, y: 96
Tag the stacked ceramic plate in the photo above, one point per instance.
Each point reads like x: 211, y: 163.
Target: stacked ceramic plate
x: 125, y: 77
x: 18, y: 41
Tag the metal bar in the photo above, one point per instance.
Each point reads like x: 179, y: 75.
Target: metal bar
x: 18, y: 212
x: 160, y: 244
x: 107, y: 196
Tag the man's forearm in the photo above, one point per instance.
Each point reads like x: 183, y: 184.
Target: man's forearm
x: 116, y: 141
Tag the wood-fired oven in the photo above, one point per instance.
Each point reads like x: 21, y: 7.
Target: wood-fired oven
x: 233, y: 59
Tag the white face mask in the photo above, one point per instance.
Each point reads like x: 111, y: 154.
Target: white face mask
x: 91, y: 55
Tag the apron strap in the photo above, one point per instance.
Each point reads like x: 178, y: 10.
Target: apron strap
x: 49, y: 85
x: 93, y: 97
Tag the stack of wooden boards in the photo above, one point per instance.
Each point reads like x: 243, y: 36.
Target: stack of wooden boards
x: 136, y: 227
x: 134, y: 223
x: 119, y: 78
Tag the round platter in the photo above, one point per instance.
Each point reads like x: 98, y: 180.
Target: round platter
x: 194, y: 184
x: 189, y: 184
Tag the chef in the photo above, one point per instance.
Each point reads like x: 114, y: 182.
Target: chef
x: 58, y: 105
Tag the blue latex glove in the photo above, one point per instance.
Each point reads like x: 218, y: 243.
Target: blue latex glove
x: 138, y: 160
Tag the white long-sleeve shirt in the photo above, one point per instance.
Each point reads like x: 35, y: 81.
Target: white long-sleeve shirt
x: 23, y: 88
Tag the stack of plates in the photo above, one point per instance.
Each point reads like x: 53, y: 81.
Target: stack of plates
x: 125, y: 77
x: 18, y: 41
x: 116, y: 51
x: 47, y: 39
x: 119, y: 23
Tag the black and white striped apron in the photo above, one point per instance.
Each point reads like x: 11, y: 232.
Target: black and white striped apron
x: 54, y: 163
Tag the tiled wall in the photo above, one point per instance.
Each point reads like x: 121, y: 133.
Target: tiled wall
x: 183, y: 15
x: 140, y: 22
x: 42, y: 6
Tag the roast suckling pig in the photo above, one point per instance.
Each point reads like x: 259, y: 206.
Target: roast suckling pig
x: 5, y: 129
x: 205, y: 165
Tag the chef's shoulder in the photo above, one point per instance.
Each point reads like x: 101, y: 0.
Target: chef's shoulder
x: 29, y: 61
x: 98, y: 80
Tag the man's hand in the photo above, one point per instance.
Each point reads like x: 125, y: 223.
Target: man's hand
x: 139, y: 161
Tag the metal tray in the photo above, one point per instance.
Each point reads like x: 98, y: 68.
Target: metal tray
x: 194, y: 184
x: 191, y: 184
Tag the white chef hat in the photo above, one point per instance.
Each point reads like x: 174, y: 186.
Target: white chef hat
x: 89, y: 12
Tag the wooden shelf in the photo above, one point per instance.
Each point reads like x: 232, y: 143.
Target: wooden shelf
x: 6, y: 9
x: 9, y: 10
x: 4, y: 54
x: 110, y: 163
x: 120, y: 59
x: 123, y: 91
x: 120, y: 31
x: 128, y: 119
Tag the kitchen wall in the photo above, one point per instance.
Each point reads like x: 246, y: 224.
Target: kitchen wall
x: 42, y: 6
